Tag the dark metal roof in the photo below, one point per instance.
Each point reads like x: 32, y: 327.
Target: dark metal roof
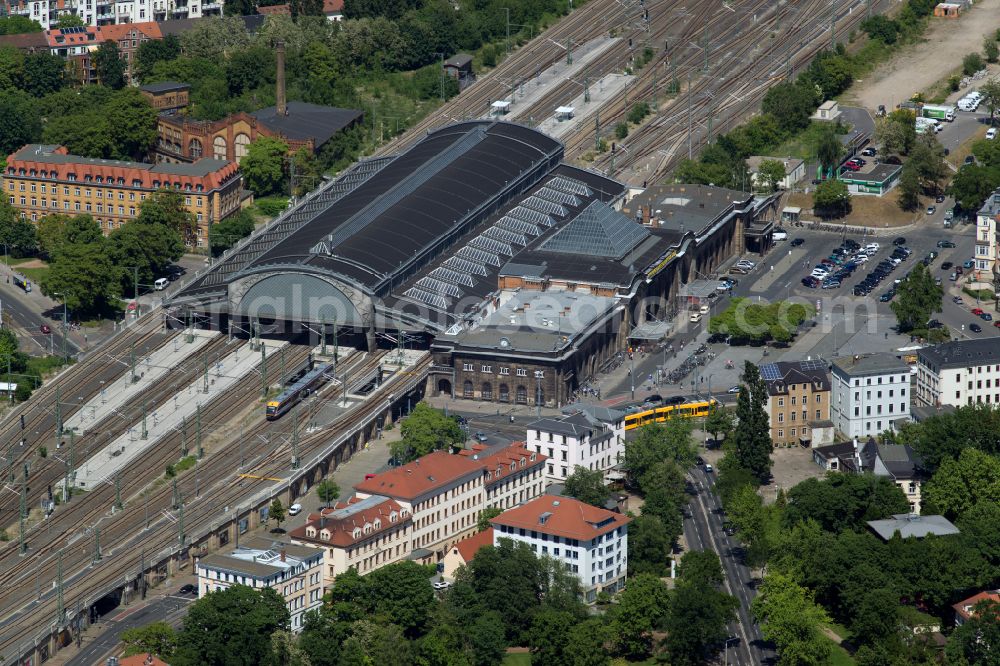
x: 165, y: 86
x: 306, y: 121
x: 962, y: 353
x: 418, y: 201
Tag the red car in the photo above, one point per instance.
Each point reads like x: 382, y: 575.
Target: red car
x: 977, y: 311
x: 997, y: 324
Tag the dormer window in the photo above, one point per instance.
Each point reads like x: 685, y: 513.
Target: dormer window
x: 325, y: 535
x: 534, y: 456
x: 356, y: 533
x: 311, y: 532
x: 378, y: 524
x: 522, y: 461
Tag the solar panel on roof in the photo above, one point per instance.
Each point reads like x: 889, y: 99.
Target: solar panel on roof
x: 769, y: 372
x: 813, y: 364
x: 466, y: 266
x: 571, y: 185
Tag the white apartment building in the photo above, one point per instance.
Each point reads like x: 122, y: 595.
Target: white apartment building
x: 360, y: 534
x: 444, y: 493
x: 591, y: 542
x: 870, y: 394
x: 960, y: 373
x: 593, y: 439
x: 293, y: 571
x: 986, y: 237
x: 109, y: 12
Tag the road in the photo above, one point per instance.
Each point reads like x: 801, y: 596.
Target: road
x: 169, y: 609
x: 22, y: 314
x: 703, y: 531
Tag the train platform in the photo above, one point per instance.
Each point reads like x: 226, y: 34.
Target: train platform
x: 601, y: 92
x: 531, y: 91
x: 173, y: 415
x: 148, y: 371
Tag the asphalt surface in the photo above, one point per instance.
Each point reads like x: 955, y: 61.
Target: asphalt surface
x: 168, y: 609
x: 24, y: 314
x: 703, y: 531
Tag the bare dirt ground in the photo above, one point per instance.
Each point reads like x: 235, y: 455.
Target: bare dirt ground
x: 866, y: 211
x: 918, y: 67
x: 790, y: 467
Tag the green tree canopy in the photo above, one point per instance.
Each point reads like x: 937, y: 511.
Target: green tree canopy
x: 960, y: 484
x: 844, y: 501
x: 790, y: 618
x: 770, y: 174
x: 654, y: 443
x: 328, y: 491
x: 18, y: 25
x: 226, y: 233
x: 641, y: 609
x: 829, y: 150
x: 977, y: 641
x: 649, y: 546
x: 20, y: 122
x: 153, y: 51
x: 699, y: 613
x: 721, y: 421
x: 751, y: 447
x: 426, y: 429
x: 109, y: 65
x: 85, y: 277
x: 264, y: 166
x: 587, y: 486
x: 831, y: 199
x: 158, y: 639
x: 17, y: 233
x: 918, y: 298
x: 235, y: 621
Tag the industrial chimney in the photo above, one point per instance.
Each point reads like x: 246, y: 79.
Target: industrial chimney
x: 281, y: 108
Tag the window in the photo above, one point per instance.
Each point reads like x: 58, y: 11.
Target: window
x: 242, y: 143
x: 467, y: 367
x: 781, y: 402
x: 781, y: 432
x: 504, y: 371
x: 521, y: 372
x: 218, y: 149
x: 487, y: 368
x: 487, y: 391
x: 521, y: 395
x: 467, y: 390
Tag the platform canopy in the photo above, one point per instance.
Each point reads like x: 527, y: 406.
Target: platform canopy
x: 566, y: 111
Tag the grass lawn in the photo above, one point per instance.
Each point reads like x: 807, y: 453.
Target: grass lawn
x: 802, y: 145
x: 517, y: 659
x: 839, y: 629
x: 839, y: 656
x: 34, y: 274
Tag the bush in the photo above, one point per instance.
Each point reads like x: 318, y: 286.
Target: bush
x: 638, y: 112
x: 954, y: 82
x: 271, y: 206
x: 170, y: 472
x: 185, y: 463
x: 621, y: 130
x: 990, y: 49
x: 489, y: 55
x: 981, y: 294
x: 971, y: 64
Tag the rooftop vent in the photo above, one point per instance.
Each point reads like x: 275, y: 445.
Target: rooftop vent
x: 542, y: 519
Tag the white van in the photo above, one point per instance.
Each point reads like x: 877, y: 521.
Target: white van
x: 161, y: 284
x: 991, y: 133
x: 779, y: 235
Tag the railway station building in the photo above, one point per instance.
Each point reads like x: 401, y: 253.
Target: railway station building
x: 479, y: 244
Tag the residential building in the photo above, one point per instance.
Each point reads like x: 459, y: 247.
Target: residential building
x: 577, y: 440
x: 514, y: 474
x: 110, y: 12
x: 960, y: 373
x: 333, y: 10
x: 899, y: 462
x: 795, y: 170
x: 167, y: 96
x: 295, y: 572
x: 360, y: 534
x: 591, y: 542
x: 965, y: 609
x: 798, y: 395
x: 298, y: 124
x: 463, y: 551
x: 129, y: 37
x: 911, y: 525
x: 42, y: 180
x: 871, y: 394
x: 443, y: 493
x: 77, y: 44
x: 985, y: 254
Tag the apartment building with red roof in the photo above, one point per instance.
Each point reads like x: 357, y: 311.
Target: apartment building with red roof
x: 591, y: 542
x: 361, y: 534
x: 463, y: 551
x: 966, y: 609
x: 514, y: 474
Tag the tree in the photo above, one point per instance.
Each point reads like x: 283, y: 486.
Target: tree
x: 585, y: 646
x: 641, y: 609
x: 752, y: 440
x: 745, y: 510
x: 20, y: 122
x: 230, y: 626
x: 248, y: 69
x: 276, y: 512
x: 973, y: 184
x: 487, y: 639
x: 285, y: 651
x: 144, y: 251
x: 621, y: 131
x: 166, y: 208
x: 426, y: 429
x: 790, y: 618
x: 85, y: 276
x: 829, y: 150
x: 156, y: 50
x: 549, y: 636
x: 720, y: 420
x: 225, y: 234
x: 44, y: 73
x: 909, y: 188
x: 649, y: 546
x: 306, y: 8
x: 977, y: 641
x: 919, y: 298
x: 587, y: 486
x: 991, y: 94
x: 69, y: 21
x: 264, y: 166
x: 17, y: 233
x: 831, y: 199
x: 699, y: 612
x: 402, y: 593
x: 770, y: 174
x: 844, y: 501
x: 927, y: 160
x: 131, y: 123
x: 18, y: 25
x: 109, y: 65
x: 990, y: 49
x: 239, y: 8
x: 896, y: 132
x: 664, y: 496
x: 485, y: 516
x: 791, y: 104
x: 963, y: 483
x: 308, y: 171
x: 971, y: 64
x: 671, y: 441
x: 881, y: 28
x: 158, y: 639
x: 328, y: 491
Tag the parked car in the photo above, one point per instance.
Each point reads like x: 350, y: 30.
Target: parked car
x: 946, y: 266
x: 899, y: 241
x: 968, y: 263
x: 945, y: 243
x: 46, y: 329
x: 991, y: 133
x: 986, y: 316
x: 931, y: 210
x: 957, y: 300
x: 733, y: 389
x: 977, y: 311
x: 869, y: 152
x: 887, y: 296
x: 970, y: 159
x: 188, y: 589
x: 295, y: 509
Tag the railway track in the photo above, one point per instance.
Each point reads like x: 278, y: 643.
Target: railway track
x: 145, y: 525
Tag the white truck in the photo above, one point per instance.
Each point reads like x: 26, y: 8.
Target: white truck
x: 938, y: 112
